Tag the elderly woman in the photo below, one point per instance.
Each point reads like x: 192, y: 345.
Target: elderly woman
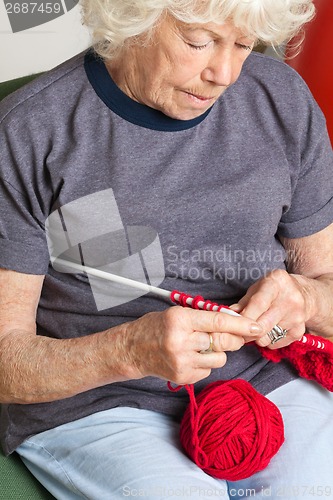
x: 171, y: 154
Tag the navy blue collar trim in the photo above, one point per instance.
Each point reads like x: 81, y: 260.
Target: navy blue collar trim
x: 127, y: 108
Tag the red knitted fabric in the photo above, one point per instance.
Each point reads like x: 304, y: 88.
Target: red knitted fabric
x: 230, y: 430
x: 312, y: 357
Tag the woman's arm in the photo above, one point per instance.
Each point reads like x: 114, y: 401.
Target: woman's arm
x: 35, y: 368
x: 310, y: 260
x: 164, y: 344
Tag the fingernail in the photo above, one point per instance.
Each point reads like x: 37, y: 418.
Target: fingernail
x: 255, y: 328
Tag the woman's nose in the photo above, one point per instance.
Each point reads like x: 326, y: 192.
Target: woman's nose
x: 223, y: 69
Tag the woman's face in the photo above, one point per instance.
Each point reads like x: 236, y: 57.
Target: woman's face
x: 185, y: 67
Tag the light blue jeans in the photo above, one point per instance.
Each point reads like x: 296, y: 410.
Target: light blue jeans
x: 130, y: 453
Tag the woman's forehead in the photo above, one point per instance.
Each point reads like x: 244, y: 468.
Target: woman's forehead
x: 214, y: 30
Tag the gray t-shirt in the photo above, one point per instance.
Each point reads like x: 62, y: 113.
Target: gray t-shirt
x: 194, y: 205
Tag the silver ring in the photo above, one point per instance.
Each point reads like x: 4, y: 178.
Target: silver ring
x: 277, y: 333
x: 210, y: 348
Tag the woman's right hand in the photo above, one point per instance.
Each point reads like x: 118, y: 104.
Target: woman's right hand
x: 169, y: 344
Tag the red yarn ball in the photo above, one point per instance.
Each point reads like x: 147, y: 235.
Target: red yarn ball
x: 230, y: 430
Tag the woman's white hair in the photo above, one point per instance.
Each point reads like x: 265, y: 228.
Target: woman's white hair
x: 113, y: 23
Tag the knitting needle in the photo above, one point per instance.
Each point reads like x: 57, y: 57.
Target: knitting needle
x: 98, y: 273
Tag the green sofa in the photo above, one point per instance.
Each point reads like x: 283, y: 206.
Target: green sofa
x: 10, y: 86
x: 16, y: 482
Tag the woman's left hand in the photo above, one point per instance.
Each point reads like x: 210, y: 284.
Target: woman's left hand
x: 280, y: 299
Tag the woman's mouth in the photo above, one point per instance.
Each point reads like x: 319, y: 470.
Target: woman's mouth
x: 199, y: 101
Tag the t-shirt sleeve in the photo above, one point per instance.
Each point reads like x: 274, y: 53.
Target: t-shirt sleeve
x: 23, y: 245
x: 24, y: 192
x: 311, y: 207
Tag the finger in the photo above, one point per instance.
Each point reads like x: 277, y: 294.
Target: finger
x: 237, y: 307
x: 259, y: 302
x: 244, y: 301
x: 293, y: 323
x: 273, y: 316
x: 201, y: 367
x: 293, y: 334
x: 226, y: 342
x: 218, y: 342
x: 210, y: 361
x: 262, y: 294
x: 201, y: 342
x: 222, y: 322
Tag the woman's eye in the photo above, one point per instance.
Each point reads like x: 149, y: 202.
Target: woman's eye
x: 198, y: 47
x: 245, y: 47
